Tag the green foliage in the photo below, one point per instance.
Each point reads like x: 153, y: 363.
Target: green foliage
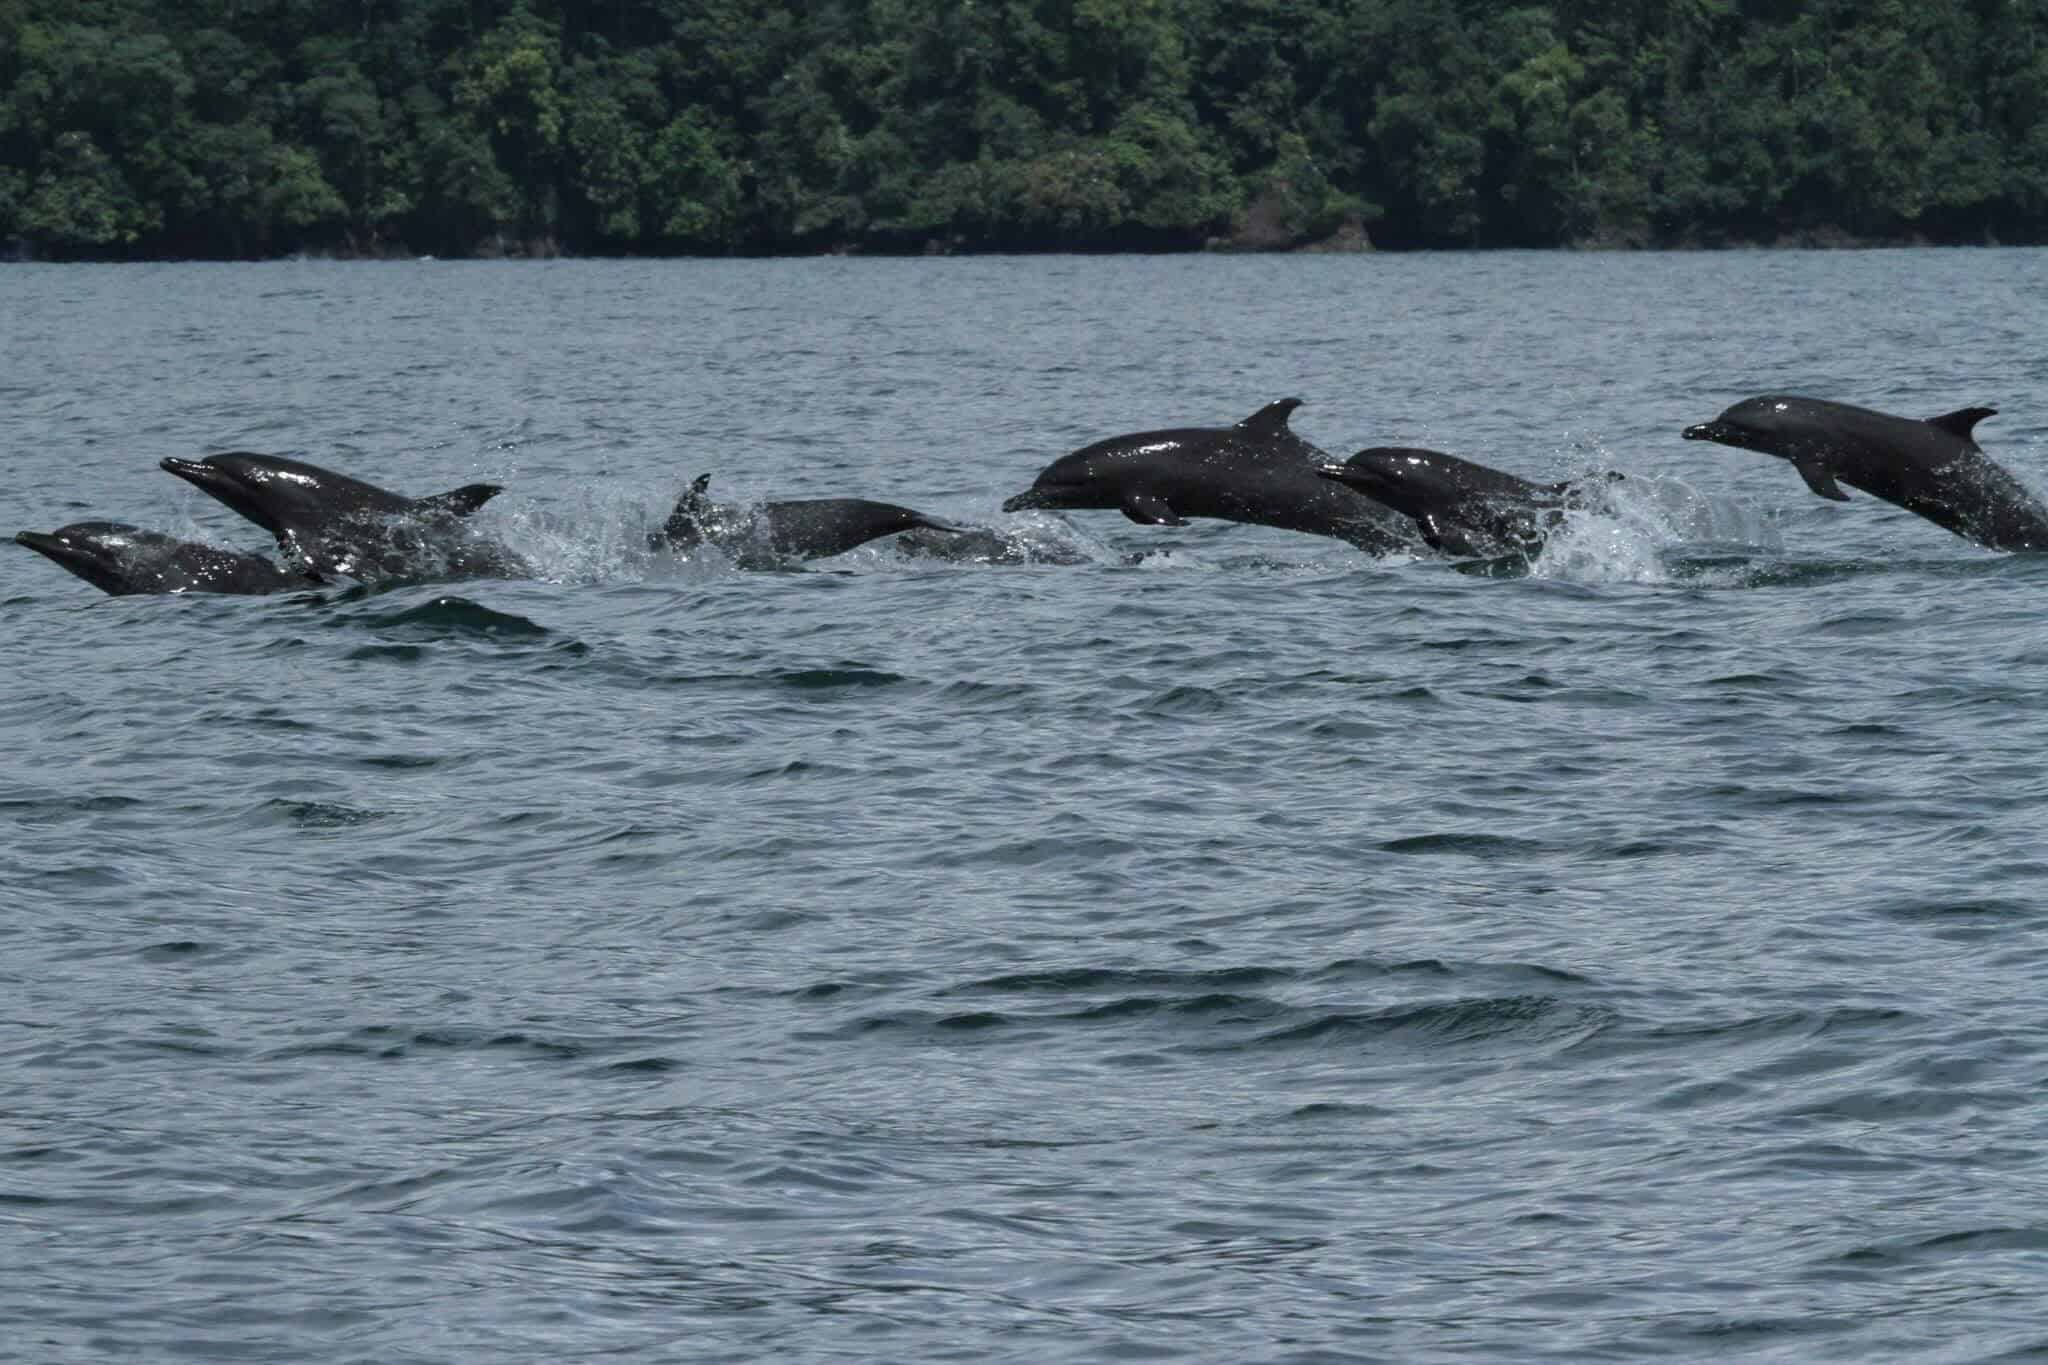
x: 245, y: 127
x: 692, y: 190
x: 81, y: 199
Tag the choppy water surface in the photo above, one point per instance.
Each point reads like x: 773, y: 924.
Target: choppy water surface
x: 1259, y: 952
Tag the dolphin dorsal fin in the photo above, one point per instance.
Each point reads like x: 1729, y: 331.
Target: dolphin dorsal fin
x: 1959, y: 422
x: 1271, y: 420
x: 460, y: 502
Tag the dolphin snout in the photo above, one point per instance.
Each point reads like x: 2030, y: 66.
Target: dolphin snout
x: 1029, y: 498
x: 1359, y: 476
x: 1705, y: 431
x: 192, y: 471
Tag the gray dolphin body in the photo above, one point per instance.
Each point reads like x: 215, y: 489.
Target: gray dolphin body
x: 1462, y: 508
x: 770, y: 535
x: 124, y: 560
x: 1933, y: 468
x: 334, y: 526
x: 1257, y: 471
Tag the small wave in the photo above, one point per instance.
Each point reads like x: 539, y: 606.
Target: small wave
x: 446, y: 618
x: 1224, y: 1021
x: 1964, y: 908
x: 2029, y: 1240
x: 645, y: 1066
x: 1104, y: 978
x: 1476, y: 845
x: 1051, y: 849
x: 393, y: 1041
x: 1186, y: 700
x: 46, y: 809
x: 1532, y: 1019
x: 176, y: 950
x: 1332, y: 1110
x: 1724, y: 570
x: 401, y: 762
x: 400, y: 654
x: 839, y: 675
x: 314, y: 815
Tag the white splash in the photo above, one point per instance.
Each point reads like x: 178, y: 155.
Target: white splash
x: 1628, y: 533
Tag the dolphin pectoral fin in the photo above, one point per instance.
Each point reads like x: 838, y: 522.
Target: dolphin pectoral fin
x: 460, y: 502
x: 1149, y: 509
x: 1820, y: 480
x: 1961, y: 421
x: 1448, y: 538
x: 1271, y: 420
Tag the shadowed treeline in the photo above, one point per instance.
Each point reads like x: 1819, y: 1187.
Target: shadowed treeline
x: 253, y: 127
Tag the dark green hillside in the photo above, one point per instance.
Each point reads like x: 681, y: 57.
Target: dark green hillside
x: 134, y: 128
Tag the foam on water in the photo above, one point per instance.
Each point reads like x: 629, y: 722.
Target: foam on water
x: 1638, y: 524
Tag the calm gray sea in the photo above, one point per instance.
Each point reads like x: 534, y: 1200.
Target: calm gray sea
x: 1260, y: 952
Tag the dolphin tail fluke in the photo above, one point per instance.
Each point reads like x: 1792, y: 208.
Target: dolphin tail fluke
x: 1962, y: 421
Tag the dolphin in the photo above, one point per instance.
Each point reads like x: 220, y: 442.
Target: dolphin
x: 123, y: 560
x: 987, y: 545
x: 771, y: 535
x: 1462, y: 508
x: 1257, y: 471
x: 1933, y: 468
x: 335, y: 526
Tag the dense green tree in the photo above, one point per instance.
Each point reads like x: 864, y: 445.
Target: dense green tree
x: 245, y: 127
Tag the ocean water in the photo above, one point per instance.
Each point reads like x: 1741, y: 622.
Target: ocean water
x: 1257, y: 952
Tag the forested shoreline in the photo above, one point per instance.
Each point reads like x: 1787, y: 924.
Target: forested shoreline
x: 134, y: 129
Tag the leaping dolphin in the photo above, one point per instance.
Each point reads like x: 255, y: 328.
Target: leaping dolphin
x: 1462, y: 508
x: 1933, y: 468
x: 334, y: 526
x: 1257, y: 471
x: 124, y: 560
x: 770, y: 535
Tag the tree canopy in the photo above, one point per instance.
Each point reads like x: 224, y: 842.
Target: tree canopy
x: 146, y: 128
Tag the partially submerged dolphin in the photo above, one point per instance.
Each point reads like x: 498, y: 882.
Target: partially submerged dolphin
x: 770, y: 535
x: 1933, y: 468
x: 335, y: 526
x: 987, y: 545
x: 1462, y: 508
x: 124, y: 560
x: 1257, y: 471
